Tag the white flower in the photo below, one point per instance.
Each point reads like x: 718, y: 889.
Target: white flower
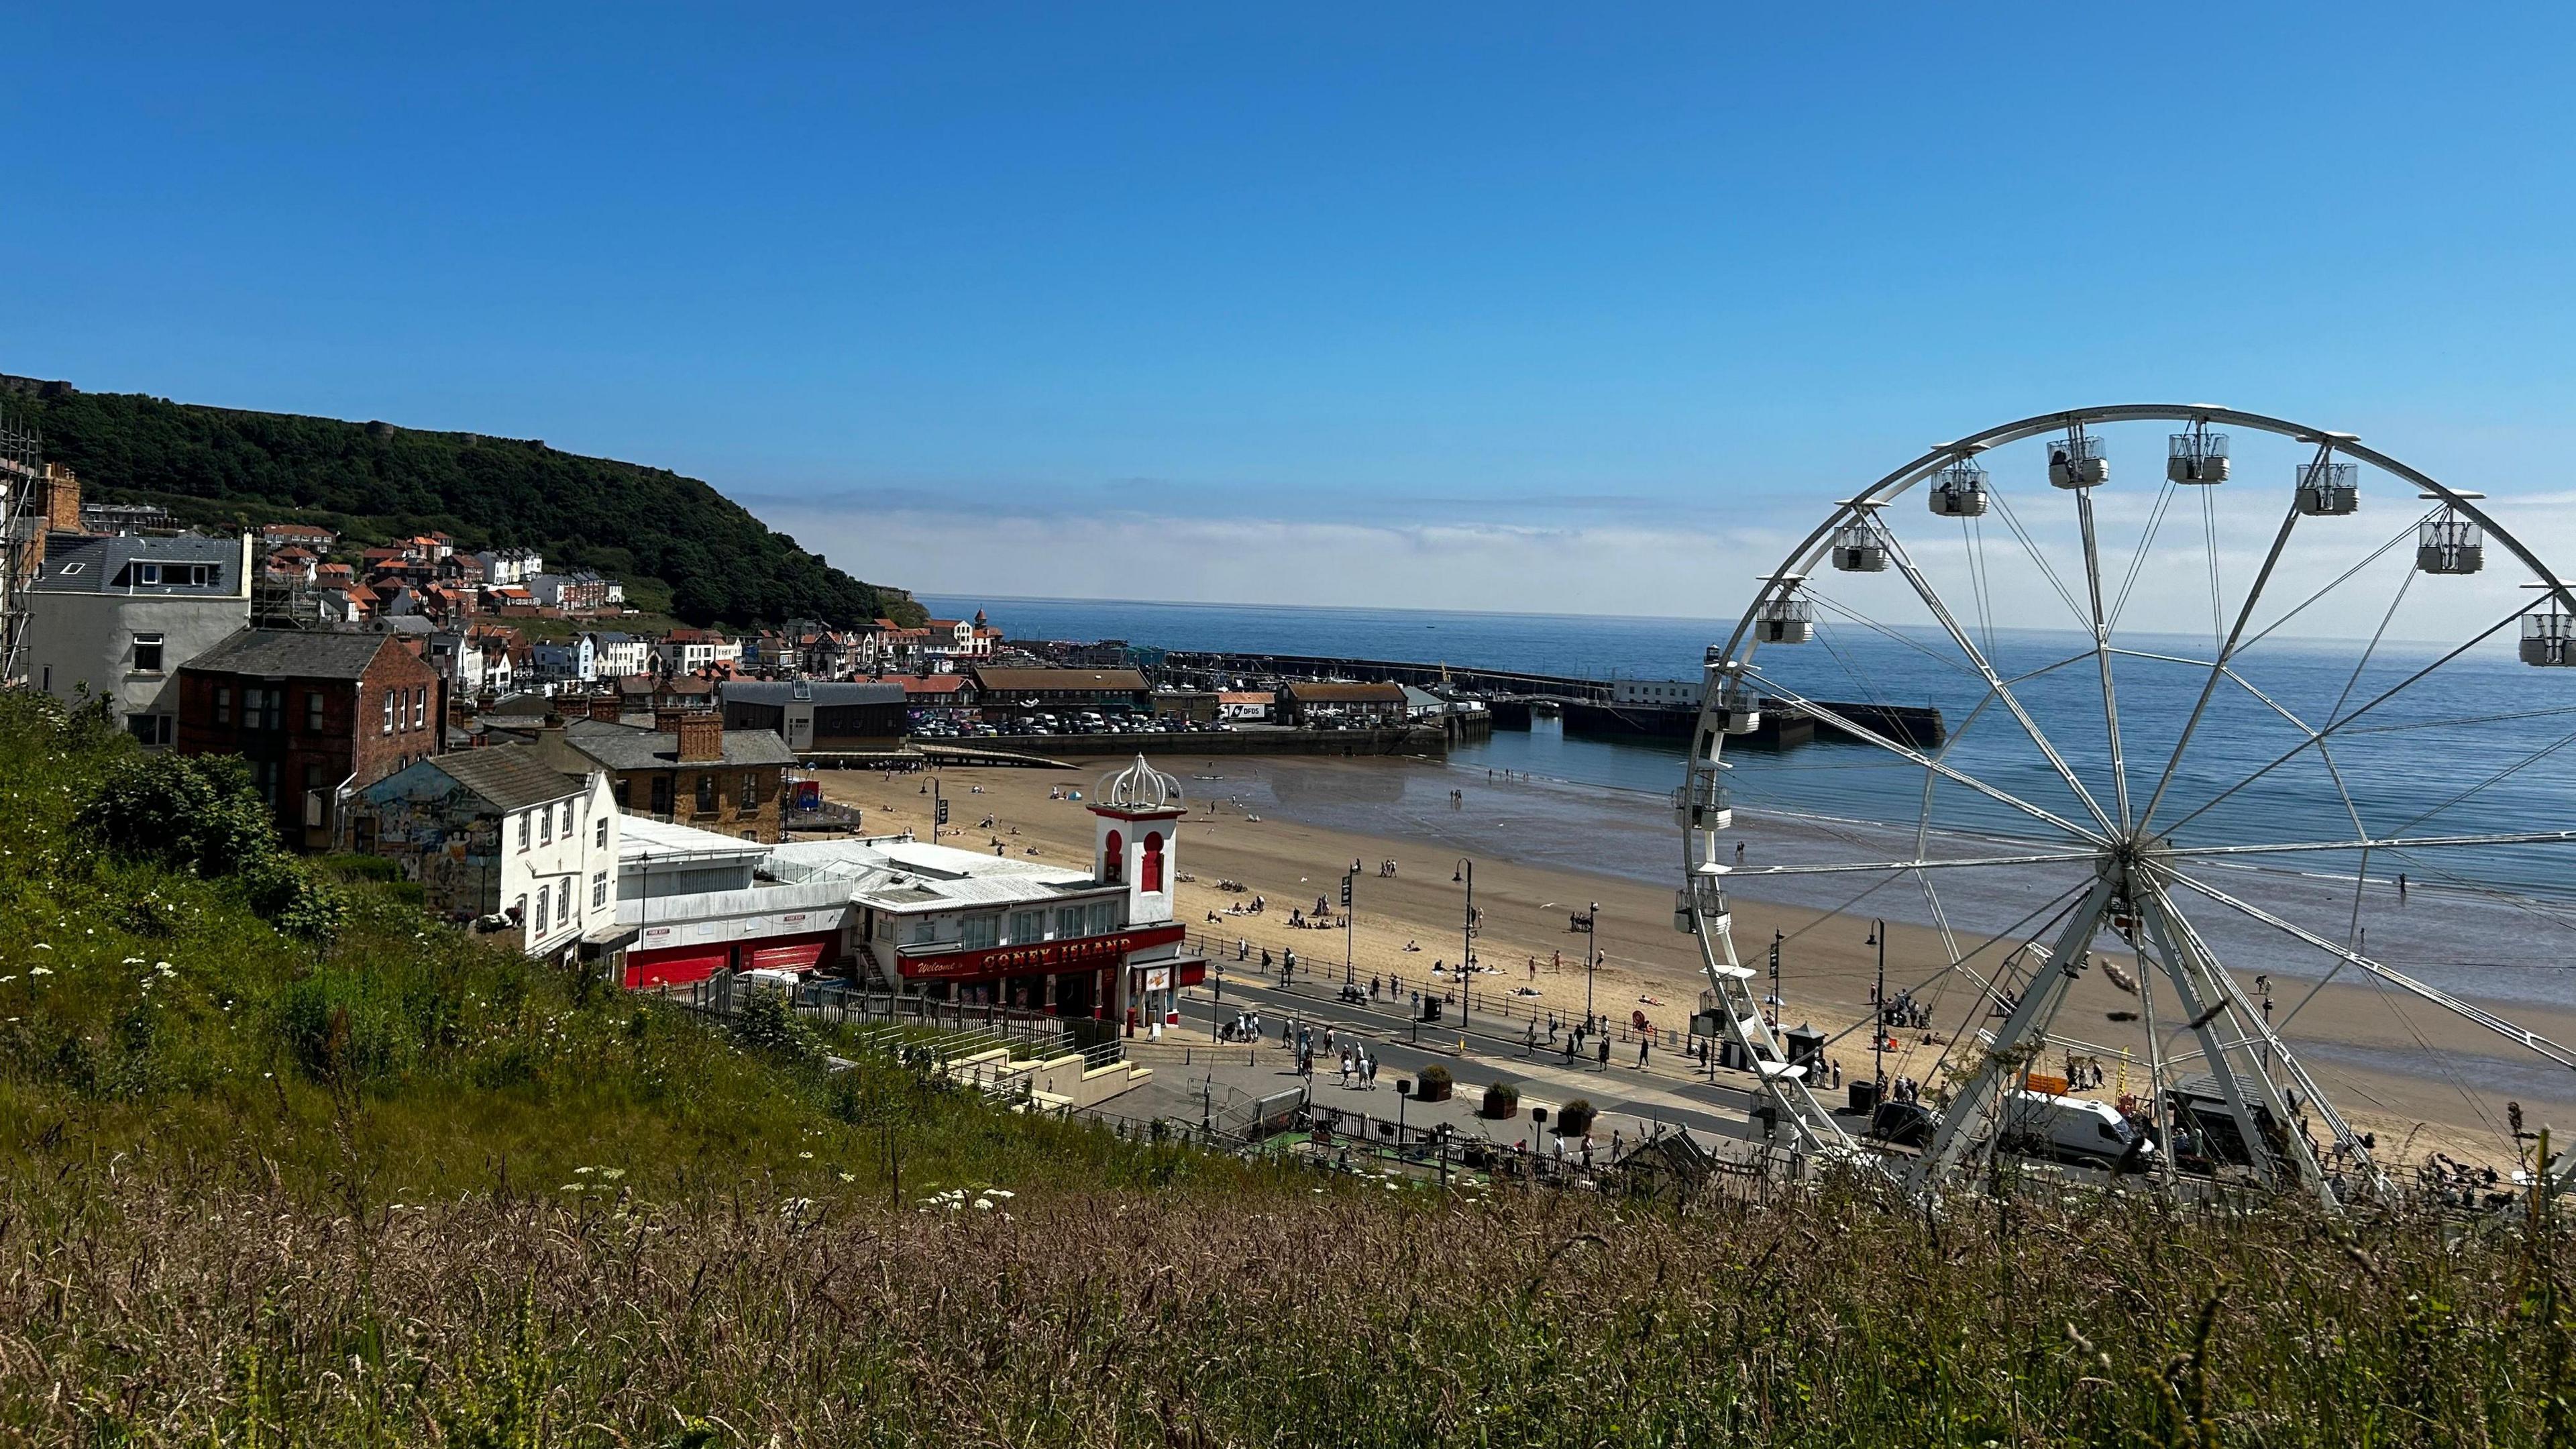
x: 845, y: 1177
x: 1001, y: 1192
x: 40, y: 970
x: 808, y: 1156
x: 579, y: 1171
x: 42, y: 946
x: 983, y: 1204
x: 612, y: 1173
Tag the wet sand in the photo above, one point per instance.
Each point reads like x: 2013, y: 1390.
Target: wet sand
x: 2418, y: 1077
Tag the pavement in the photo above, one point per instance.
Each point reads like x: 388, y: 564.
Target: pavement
x: 1189, y: 1065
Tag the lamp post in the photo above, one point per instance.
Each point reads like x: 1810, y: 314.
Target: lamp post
x: 1878, y: 999
x: 1466, y: 872
x: 1591, y: 922
x: 1216, y: 1010
x: 1348, y: 919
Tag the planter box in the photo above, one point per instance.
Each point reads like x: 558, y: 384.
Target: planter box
x: 1431, y: 1091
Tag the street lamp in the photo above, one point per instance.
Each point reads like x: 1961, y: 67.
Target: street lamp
x: 1591, y: 921
x: 1878, y: 1030
x: 1348, y: 918
x: 1466, y: 872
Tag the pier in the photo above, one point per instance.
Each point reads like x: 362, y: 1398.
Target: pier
x: 1587, y: 706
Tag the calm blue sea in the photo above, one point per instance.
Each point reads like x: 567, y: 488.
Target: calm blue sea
x: 2482, y: 745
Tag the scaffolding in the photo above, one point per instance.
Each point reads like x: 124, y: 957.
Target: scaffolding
x: 23, y: 510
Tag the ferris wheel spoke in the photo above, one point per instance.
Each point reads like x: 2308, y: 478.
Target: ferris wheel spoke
x: 2497, y: 778
x: 1975, y: 863
x: 2416, y: 842
x: 2338, y: 581
x: 2101, y: 627
x: 2469, y: 1010
x: 1949, y: 622
x: 1845, y: 723
x: 2226, y: 648
x: 2335, y: 726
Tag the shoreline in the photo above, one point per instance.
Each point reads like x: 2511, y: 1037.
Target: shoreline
x: 2370, y: 1058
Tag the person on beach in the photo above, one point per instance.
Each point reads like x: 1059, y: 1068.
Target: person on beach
x: 1739, y: 853
x: 2401, y: 888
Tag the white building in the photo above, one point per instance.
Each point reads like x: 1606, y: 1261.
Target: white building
x: 118, y: 616
x: 510, y: 566
x: 498, y: 831
x: 1661, y: 693
x: 619, y: 656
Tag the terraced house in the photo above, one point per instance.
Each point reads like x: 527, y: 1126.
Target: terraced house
x: 687, y: 769
x: 317, y: 716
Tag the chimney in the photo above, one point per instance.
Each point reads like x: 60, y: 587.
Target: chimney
x: 666, y: 719
x: 62, y: 498
x: 604, y: 707
x: 701, y: 738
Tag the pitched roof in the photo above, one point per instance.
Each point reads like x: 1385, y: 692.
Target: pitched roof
x: 625, y: 747
x: 1104, y: 681
x: 99, y: 565
x: 1335, y: 692
x: 294, y: 653
x: 510, y: 777
x: 934, y: 684
x: 814, y: 691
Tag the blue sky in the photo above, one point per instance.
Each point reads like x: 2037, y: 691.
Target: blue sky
x: 1485, y: 306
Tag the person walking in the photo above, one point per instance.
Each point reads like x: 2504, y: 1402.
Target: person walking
x: 1644, y: 1045
x: 1605, y: 1053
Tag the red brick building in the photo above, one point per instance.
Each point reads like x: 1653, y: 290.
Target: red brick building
x: 315, y: 715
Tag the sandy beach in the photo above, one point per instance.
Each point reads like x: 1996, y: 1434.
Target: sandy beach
x: 2418, y: 1077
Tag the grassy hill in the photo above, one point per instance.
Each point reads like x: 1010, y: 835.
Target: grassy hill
x: 281, y: 1162
x: 682, y: 546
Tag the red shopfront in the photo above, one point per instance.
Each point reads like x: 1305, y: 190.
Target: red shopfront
x: 1081, y: 977
x: 651, y: 963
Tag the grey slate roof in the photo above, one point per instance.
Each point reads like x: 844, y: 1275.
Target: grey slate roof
x: 294, y: 653
x: 822, y: 692
x: 625, y: 747
x: 78, y: 565
x: 510, y: 777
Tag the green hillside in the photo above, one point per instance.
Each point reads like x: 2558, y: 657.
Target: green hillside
x: 678, y: 543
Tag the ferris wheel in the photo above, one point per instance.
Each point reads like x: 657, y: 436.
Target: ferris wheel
x: 2194, y: 734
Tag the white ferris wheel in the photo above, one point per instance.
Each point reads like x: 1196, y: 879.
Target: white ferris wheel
x: 2201, y: 722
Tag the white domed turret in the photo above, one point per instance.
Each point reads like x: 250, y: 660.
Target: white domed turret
x: 1138, y: 787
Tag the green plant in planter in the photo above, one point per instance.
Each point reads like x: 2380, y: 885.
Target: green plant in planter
x: 1575, y: 1118
x: 1502, y: 1099
x: 1432, y: 1084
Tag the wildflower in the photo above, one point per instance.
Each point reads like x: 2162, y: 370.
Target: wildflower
x: 578, y: 1171
x: 806, y: 1155
x: 845, y: 1177
x: 612, y: 1173
x: 40, y: 970
x: 983, y: 1204
x: 43, y: 946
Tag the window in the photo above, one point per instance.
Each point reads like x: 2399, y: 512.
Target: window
x: 313, y: 711
x: 924, y: 931
x: 598, y: 890
x: 750, y: 792
x: 661, y: 794
x: 599, y: 834
x: 263, y: 777
x: 1027, y: 927
x: 389, y: 711
x: 1151, y: 876
x: 545, y: 826
x: 147, y: 573
x: 981, y: 932
x: 542, y: 901
x: 1104, y: 917
x: 1117, y: 859
x: 617, y: 792
x: 706, y: 794
x: 524, y: 828
x: 420, y: 707
x: 563, y: 900
x: 1068, y: 922
x: 312, y: 779
x: 151, y: 729
x: 261, y: 707
x: 224, y: 705
x: 147, y: 653
x: 567, y: 820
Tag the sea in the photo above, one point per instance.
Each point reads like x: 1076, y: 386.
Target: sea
x: 2474, y: 745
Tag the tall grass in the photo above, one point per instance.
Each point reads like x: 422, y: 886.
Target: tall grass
x: 158, y: 1306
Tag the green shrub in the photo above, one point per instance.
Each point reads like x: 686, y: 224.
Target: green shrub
x: 1575, y: 1118
x: 1502, y: 1099
x: 197, y: 813
x: 1432, y: 1083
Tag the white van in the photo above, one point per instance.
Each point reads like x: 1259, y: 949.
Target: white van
x: 2073, y: 1130
x: 764, y: 976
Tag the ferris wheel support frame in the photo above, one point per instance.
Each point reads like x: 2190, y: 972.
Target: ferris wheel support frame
x: 2132, y: 868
